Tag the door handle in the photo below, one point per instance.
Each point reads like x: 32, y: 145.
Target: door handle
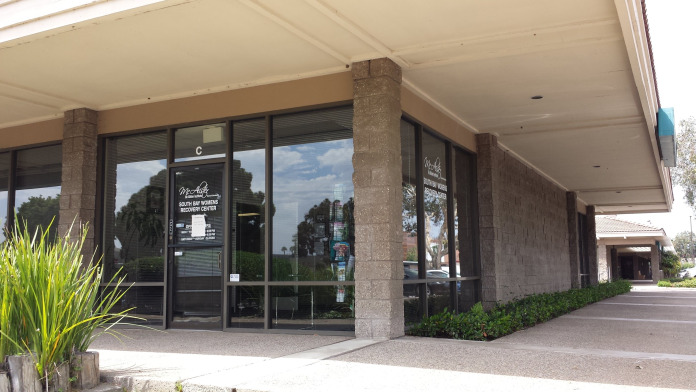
x: 220, y: 261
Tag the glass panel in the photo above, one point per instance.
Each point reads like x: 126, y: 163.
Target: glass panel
x: 37, y: 197
x: 201, y: 142
x: 408, y: 185
x: 248, y: 200
x: 328, y: 308
x: 435, y: 202
x: 413, y: 310
x: 464, y: 218
x: 438, y: 293
x: 313, y: 226
x: 197, y: 284
x: 135, y: 173
x: 468, y: 294
x: 198, y: 205
x: 4, y: 177
x: 147, y: 301
x: 246, y: 306
x: 582, y: 246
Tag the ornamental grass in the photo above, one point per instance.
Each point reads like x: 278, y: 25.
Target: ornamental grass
x: 51, y: 304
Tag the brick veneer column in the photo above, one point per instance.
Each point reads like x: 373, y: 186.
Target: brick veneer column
x: 79, y: 178
x: 379, y: 307
x: 655, y: 263
x: 592, y: 245
x: 604, y: 264
x: 489, y: 222
x: 573, y: 251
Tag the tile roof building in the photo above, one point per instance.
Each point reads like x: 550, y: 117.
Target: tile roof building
x: 627, y: 250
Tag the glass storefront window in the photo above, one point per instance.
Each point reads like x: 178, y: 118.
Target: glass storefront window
x: 4, y: 182
x: 134, y: 207
x: 298, y: 225
x: 464, y: 215
x: 464, y: 228
x: 440, y: 221
x: 312, y: 308
x: 313, y: 226
x: 435, y: 202
x: 408, y: 185
x: 147, y: 302
x: 409, y: 221
x: 246, y: 306
x: 37, y: 192
x: 248, y: 173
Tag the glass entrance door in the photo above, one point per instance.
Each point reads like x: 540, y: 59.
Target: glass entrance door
x: 196, y: 246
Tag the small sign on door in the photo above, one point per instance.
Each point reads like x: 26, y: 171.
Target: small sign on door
x: 234, y: 277
x: 198, y: 225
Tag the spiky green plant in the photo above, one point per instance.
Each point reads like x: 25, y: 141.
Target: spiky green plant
x: 52, y: 298
x: 7, y: 317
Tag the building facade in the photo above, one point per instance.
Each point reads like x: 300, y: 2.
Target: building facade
x: 352, y: 195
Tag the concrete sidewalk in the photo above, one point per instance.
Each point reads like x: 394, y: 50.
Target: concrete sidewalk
x: 641, y: 341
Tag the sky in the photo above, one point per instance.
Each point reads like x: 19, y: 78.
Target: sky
x: 672, y: 36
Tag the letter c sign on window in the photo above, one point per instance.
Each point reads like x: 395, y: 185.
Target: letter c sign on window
x: 199, y: 150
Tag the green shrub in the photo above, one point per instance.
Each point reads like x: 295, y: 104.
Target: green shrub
x: 50, y: 305
x: 669, y: 263
x: 145, y: 269
x: 677, y: 282
x: 504, y: 319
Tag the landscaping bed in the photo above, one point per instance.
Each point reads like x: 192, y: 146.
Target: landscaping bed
x: 678, y: 282
x: 504, y: 319
x: 51, y: 309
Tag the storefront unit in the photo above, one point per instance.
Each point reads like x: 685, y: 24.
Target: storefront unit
x: 329, y: 166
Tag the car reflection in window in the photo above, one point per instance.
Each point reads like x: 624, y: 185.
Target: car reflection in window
x: 431, y: 288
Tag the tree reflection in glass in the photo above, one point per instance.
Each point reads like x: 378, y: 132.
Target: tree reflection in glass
x: 313, y: 229
x: 37, y: 195
x: 435, y: 201
x: 135, y: 179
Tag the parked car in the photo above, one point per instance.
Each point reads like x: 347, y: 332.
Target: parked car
x: 440, y: 274
x: 436, y: 287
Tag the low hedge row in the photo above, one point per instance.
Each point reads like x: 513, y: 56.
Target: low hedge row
x: 477, y: 324
x: 677, y: 282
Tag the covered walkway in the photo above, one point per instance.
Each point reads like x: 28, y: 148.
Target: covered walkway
x: 633, y: 342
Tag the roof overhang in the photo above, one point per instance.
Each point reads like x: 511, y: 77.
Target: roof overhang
x: 633, y: 238
x: 480, y: 63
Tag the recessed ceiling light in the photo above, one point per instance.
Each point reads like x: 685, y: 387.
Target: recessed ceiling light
x: 596, y: 166
x: 618, y: 191
x: 538, y: 97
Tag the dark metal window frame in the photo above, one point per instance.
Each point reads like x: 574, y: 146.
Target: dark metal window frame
x: 267, y: 283
x: 422, y: 280
x: 584, y: 258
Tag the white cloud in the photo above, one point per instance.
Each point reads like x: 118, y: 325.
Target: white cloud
x: 339, y: 159
x: 285, y: 158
